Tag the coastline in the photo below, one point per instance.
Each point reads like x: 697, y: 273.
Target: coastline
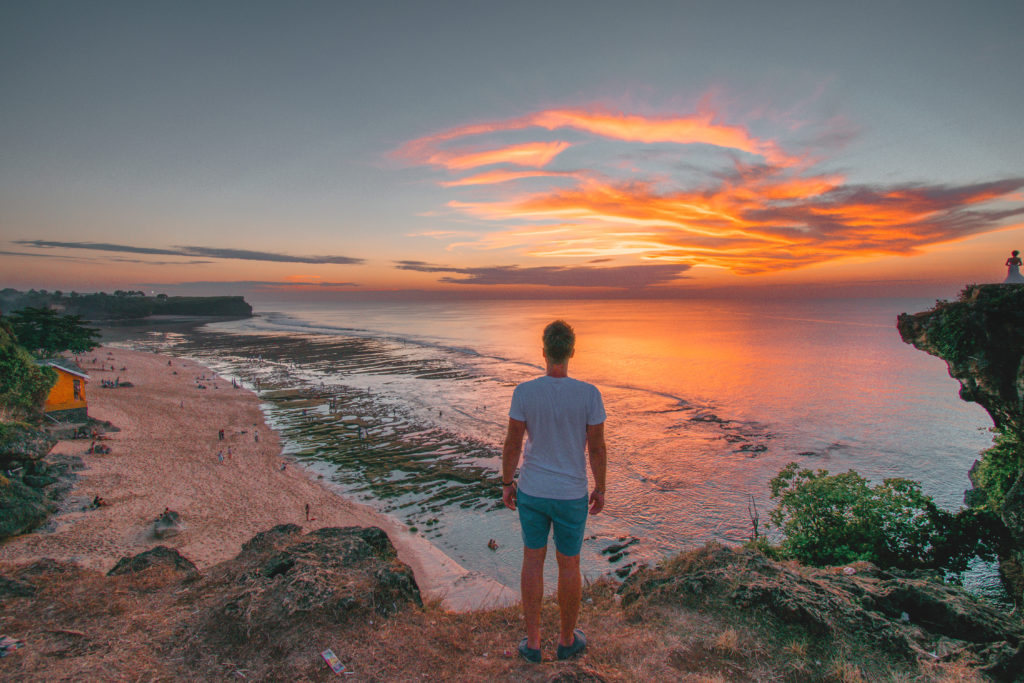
x: 166, y: 455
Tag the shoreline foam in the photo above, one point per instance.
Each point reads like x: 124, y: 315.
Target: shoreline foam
x: 166, y: 456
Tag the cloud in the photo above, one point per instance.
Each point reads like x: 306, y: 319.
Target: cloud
x: 207, y: 252
x: 695, y: 189
x: 533, y: 154
x: 495, y: 177
x: 699, y: 128
x: 620, y: 277
x: 261, y: 284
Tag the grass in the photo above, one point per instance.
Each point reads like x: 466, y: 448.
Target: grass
x: 152, y: 626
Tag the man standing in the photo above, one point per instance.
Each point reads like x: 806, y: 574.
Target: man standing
x: 563, y: 420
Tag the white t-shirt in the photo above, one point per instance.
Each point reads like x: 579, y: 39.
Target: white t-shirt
x: 556, y: 411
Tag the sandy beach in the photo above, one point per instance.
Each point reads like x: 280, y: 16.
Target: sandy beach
x: 166, y: 456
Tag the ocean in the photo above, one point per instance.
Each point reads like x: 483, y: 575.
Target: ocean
x: 404, y: 406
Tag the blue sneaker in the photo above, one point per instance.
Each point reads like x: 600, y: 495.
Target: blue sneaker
x: 528, y: 653
x: 579, y: 644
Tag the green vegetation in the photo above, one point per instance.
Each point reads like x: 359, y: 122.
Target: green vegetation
x: 837, y: 519
x: 123, y: 305
x: 46, y: 333
x: 23, y: 384
x: 959, y: 331
x: 999, y: 468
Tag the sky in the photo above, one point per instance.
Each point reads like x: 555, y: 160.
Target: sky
x: 532, y: 149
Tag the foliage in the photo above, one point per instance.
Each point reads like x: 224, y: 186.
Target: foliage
x: 46, y: 333
x: 1000, y: 467
x: 837, y: 519
x: 23, y: 384
x: 958, y: 330
x: 123, y: 304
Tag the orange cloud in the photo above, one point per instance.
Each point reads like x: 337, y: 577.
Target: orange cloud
x: 534, y: 154
x: 495, y: 177
x: 766, y: 226
x: 682, y: 130
x: 747, y: 215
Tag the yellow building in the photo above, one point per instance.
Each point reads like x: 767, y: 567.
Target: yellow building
x: 66, y: 401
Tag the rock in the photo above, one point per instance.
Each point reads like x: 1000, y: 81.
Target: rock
x: 574, y: 673
x: 285, y: 580
x: 271, y: 539
x: 22, y: 443
x: 22, y: 508
x: 167, y: 524
x: 868, y: 606
x: 160, y: 556
x: 14, y: 588
x: 38, y: 481
x: 1007, y: 663
x: 981, y: 338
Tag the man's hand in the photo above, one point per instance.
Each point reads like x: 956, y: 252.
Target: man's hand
x: 596, y: 502
x: 508, y: 496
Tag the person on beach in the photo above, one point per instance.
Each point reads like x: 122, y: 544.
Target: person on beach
x: 563, y: 419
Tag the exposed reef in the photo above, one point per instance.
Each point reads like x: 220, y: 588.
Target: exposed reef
x: 981, y: 338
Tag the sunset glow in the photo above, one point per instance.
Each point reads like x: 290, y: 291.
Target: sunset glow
x: 756, y: 217
x: 148, y: 151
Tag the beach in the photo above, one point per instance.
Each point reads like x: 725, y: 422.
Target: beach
x: 169, y: 454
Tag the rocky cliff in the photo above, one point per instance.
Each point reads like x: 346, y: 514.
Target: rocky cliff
x: 24, y: 504
x: 981, y: 338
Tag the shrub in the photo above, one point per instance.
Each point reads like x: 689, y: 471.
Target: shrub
x: 837, y: 519
x: 1000, y: 467
x: 23, y: 384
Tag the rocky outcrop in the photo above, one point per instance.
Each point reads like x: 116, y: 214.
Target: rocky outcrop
x: 908, y: 615
x: 23, y: 504
x: 21, y: 443
x: 285, y: 581
x: 29, y: 486
x: 168, y: 523
x: 22, y: 507
x: 981, y: 338
x: 160, y: 556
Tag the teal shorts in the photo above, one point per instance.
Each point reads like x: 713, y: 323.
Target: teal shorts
x: 538, y: 515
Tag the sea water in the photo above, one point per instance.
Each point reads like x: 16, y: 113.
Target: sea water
x: 706, y: 402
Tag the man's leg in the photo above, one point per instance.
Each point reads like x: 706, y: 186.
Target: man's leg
x: 570, y: 590
x: 532, y: 587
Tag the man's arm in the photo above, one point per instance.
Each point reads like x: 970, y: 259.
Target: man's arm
x: 510, y: 460
x: 598, y: 465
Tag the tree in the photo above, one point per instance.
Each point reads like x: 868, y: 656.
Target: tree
x: 46, y: 333
x: 837, y: 519
x: 23, y: 384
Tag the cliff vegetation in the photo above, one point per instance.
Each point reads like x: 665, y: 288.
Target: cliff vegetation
x: 981, y: 338
x: 123, y: 304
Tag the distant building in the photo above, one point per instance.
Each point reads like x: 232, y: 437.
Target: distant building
x: 66, y: 401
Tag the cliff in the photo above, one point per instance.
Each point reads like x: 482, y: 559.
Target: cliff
x: 981, y: 338
x: 125, y: 305
x: 710, y: 614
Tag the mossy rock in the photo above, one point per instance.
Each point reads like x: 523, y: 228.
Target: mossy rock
x: 20, y: 442
x: 22, y: 509
x: 38, y: 481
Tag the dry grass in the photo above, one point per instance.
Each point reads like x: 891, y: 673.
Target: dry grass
x: 83, y: 626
